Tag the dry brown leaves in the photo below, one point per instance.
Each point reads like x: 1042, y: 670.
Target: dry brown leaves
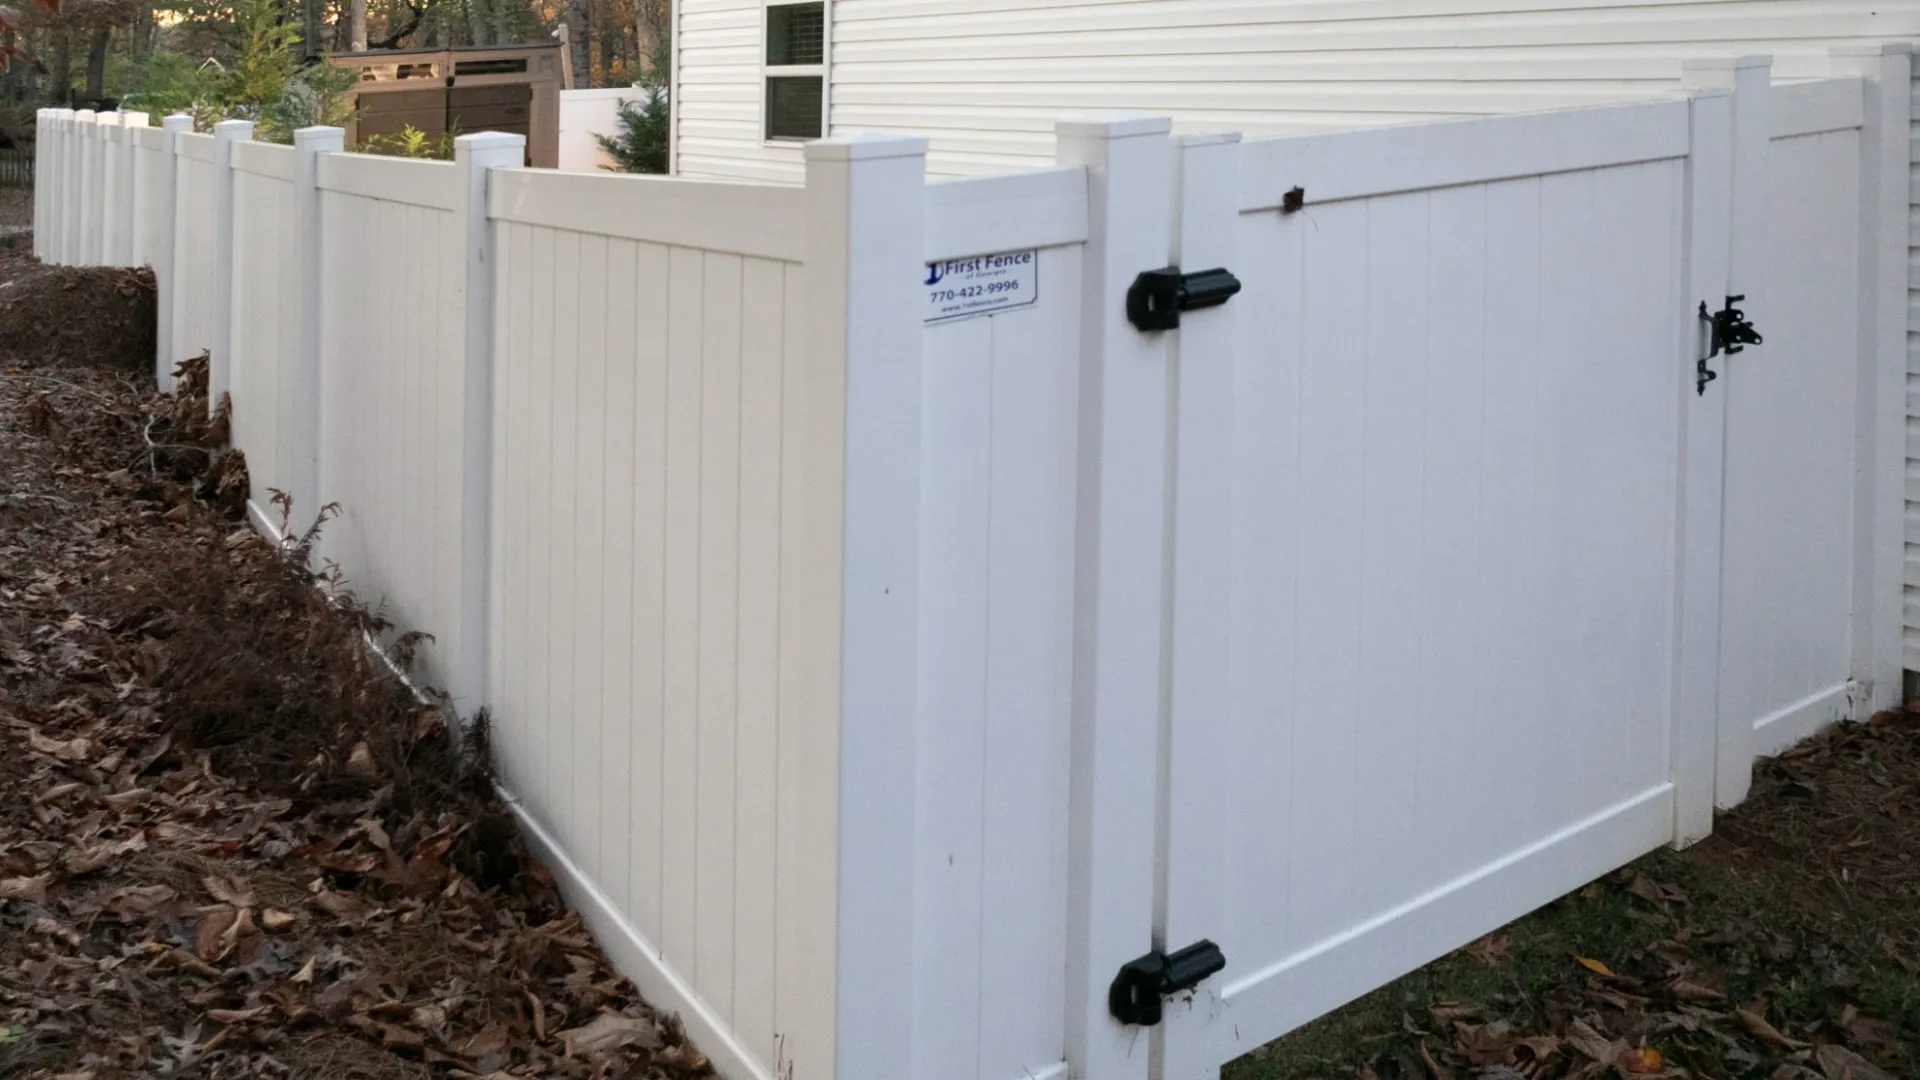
x: 230, y: 843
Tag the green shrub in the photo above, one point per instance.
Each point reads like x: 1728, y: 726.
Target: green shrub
x: 641, y: 144
x: 411, y: 142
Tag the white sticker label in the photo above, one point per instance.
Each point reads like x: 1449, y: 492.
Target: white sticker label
x: 981, y: 285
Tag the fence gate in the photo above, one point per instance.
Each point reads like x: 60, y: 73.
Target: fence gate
x: 1788, y: 643
x: 1431, y: 545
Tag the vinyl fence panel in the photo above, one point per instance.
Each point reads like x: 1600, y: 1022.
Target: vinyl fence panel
x: 152, y: 195
x: 266, y: 299
x: 193, y: 248
x: 650, y: 403
x: 998, y: 441
x: 392, y: 393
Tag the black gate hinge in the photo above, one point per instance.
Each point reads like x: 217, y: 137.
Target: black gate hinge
x: 1139, y: 992
x: 1157, y: 297
x: 1729, y: 331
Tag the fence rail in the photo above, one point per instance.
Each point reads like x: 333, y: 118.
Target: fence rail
x: 887, y: 640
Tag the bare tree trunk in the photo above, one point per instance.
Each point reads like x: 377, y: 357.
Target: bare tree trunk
x: 607, y: 36
x: 357, y: 26
x: 97, y: 61
x: 649, y: 30
x: 577, y: 12
x: 477, y: 21
x: 142, y: 34
x: 60, y: 72
x: 503, y: 28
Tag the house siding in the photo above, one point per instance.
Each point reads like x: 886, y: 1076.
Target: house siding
x: 1911, y: 597
x: 986, y: 79
x: 717, y: 96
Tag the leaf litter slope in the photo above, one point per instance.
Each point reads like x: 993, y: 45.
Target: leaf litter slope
x: 231, y: 844
x: 1784, y: 947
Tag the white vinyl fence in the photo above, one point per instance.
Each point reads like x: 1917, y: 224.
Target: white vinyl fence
x: 893, y: 629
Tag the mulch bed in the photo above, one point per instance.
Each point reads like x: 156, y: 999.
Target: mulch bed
x: 66, y: 315
x: 232, y: 844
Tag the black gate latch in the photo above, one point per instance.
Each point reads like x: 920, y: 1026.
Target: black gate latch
x: 1141, y: 988
x: 1729, y: 331
x: 1157, y: 297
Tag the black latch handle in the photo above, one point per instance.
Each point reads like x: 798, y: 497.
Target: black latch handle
x: 1157, y: 297
x: 1729, y: 331
x: 1138, y: 994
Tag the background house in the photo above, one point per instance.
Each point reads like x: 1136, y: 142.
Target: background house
x: 987, y: 78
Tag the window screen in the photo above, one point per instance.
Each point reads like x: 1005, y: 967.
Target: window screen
x: 793, y: 106
x: 796, y: 34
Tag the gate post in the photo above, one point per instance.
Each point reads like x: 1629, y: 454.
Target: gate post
x: 1750, y: 78
x: 220, y: 369
x: 1206, y: 181
x: 1119, y: 613
x: 166, y: 204
x: 1880, y: 450
x: 1696, y: 678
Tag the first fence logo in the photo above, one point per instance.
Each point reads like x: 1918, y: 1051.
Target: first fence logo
x: 982, y: 285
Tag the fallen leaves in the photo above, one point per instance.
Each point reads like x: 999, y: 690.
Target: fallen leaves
x: 231, y: 844
x: 608, y: 1032
x: 31, y: 890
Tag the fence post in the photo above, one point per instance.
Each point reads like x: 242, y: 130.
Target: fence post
x: 42, y: 120
x: 68, y: 224
x: 106, y: 194
x: 1118, y: 596
x: 865, y: 202
x: 103, y: 244
x: 309, y: 143
x: 116, y: 185
x: 1696, y: 675
x: 130, y: 186
x: 476, y: 155
x: 220, y: 370
x: 1750, y: 78
x: 1880, y: 452
x: 87, y: 175
x: 165, y: 269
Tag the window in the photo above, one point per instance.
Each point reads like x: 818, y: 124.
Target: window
x: 796, y: 56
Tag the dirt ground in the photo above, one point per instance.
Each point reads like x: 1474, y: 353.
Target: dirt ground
x: 231, y: 843
x: 1785, y: 947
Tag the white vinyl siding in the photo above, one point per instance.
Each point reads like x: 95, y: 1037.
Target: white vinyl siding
x: 987, y: 78
x: 718, y: 72
x: 1911, y: 606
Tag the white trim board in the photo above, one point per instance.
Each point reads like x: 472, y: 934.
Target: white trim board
x: 1781, y: 730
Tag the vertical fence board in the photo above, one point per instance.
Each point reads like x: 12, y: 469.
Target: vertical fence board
x: 620, y: 712
x: 652, y: 320
x: 957, y: 461
x: 681, y: 627
x: 719, y: 598
x: 762, y: 387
